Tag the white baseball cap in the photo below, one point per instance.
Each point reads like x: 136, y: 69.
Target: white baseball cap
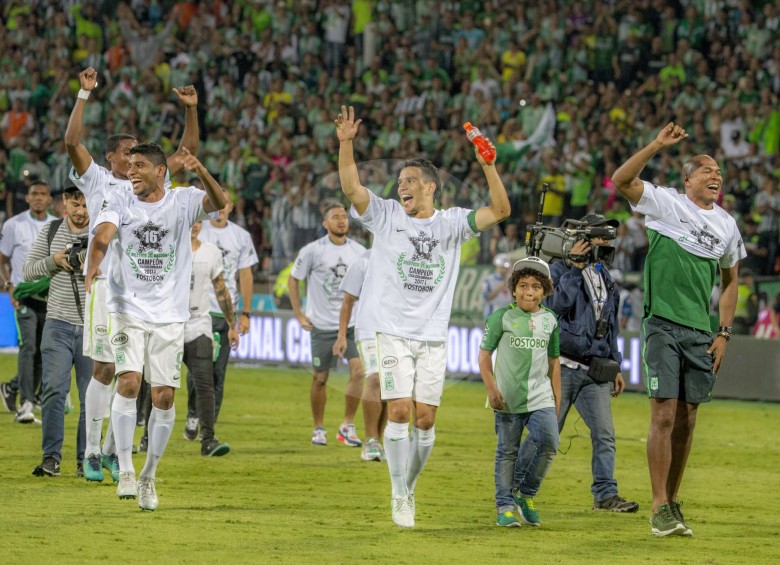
x: 533, y: 263
x: 502, y: 260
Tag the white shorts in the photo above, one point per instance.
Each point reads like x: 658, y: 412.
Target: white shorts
x: 144, y: 347
x: 368, y: 356
x: 96, y: 344
x: 410, y: 368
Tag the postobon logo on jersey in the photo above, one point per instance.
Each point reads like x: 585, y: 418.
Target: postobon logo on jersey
x: 528, y: 342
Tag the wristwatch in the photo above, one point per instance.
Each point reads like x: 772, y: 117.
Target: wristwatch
x: 247, y: 313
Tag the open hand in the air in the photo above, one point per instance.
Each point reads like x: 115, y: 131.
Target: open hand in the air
x: 346, y: 125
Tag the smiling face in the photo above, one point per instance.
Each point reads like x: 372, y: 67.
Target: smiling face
x: 145, y: 177
x: 415, y: 193
x: 119, y: 158
x: 703, y: 181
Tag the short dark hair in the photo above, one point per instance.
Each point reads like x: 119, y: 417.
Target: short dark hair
x: 546, y: 282
x: 151, y: 151
x: 114, y: 141
x: 429, y: 171
x: 72, y: 192
x: 36, y: 181
x: 329, y: 205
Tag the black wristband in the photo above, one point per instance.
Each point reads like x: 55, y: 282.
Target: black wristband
x: 724, y: 335
x: 727, y: 329
x: 246, y: 313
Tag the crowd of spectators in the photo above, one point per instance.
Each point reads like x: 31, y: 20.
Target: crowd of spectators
x: 271, y: 76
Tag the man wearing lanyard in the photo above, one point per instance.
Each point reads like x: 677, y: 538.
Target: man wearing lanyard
x: 586, y: 302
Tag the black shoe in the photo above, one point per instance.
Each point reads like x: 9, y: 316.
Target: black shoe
x: 50, y: 466
x: 143, y: 445
x: 8, y: 397
x: 213, y: 448
x: 616, y: 504
x: 80, y: 470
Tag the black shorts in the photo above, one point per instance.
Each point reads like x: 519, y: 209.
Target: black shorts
x: 322, y: 358
x: 675, y: 361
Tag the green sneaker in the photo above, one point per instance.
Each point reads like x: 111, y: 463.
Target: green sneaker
x: 665, y: 524
x: 111, y: 464
x: 92, y: 470
x: 507, y: 520
x: 675, y: 508
x: 527, y: 511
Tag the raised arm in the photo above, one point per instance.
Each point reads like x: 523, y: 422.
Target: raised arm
x: 191, y: 136
x: 78, y: 154
x: 346, y: 130
x: 226, y: 305
x: 215, y: 198
x: 498, y: 210
x: 97, y: 251
x: 626, y: 177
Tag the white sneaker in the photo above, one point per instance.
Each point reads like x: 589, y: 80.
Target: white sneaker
x: 25, y: 413
x: 347, y: 435
x: 319, y: 437
x: 127, y: 487
x: 191, y: 429
x: 402, y: 513
x: 412, y: 506
x: 147, y: 494
x: 371, y: 451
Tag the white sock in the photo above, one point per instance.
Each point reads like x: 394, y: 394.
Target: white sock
x: 160, y: 428
x: 95, y: 401
x: 419, y: 450
x: 397, y: 453
x: 123, y: 415
x: 109, y: 445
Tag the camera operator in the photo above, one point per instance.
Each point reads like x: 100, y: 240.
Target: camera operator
x: 586, y: 299
x: 62, y: 332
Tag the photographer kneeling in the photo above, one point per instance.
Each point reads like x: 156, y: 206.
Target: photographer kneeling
x: 585, y: 299
x: 59, y: 253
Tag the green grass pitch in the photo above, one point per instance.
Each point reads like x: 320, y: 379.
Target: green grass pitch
x: 277, y: 499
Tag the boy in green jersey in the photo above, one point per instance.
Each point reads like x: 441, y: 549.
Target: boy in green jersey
x: 524, y: 388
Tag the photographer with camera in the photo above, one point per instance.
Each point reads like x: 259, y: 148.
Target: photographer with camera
x: 586, y: 299
x: 63, y: 329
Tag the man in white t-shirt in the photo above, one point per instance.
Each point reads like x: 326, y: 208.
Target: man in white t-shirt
x: 148, y: 298
x: 410, y: 284
x: 238, y: 257
x: 207, y: 278
x: 96, y: 182
x: 374, y: 412
x: 323, y: 263
x: 19, y: 234
x: 691, y: 238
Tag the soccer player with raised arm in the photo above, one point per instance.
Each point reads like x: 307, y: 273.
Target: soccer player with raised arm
x: 148, y: 298
x: 691, y: 238
x: 96, y: 182
x: 410, y: 281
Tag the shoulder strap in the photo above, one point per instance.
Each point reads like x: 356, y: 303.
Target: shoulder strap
x: 54, y: 225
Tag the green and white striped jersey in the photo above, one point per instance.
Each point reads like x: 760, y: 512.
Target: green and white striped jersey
x: 524, y: 342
